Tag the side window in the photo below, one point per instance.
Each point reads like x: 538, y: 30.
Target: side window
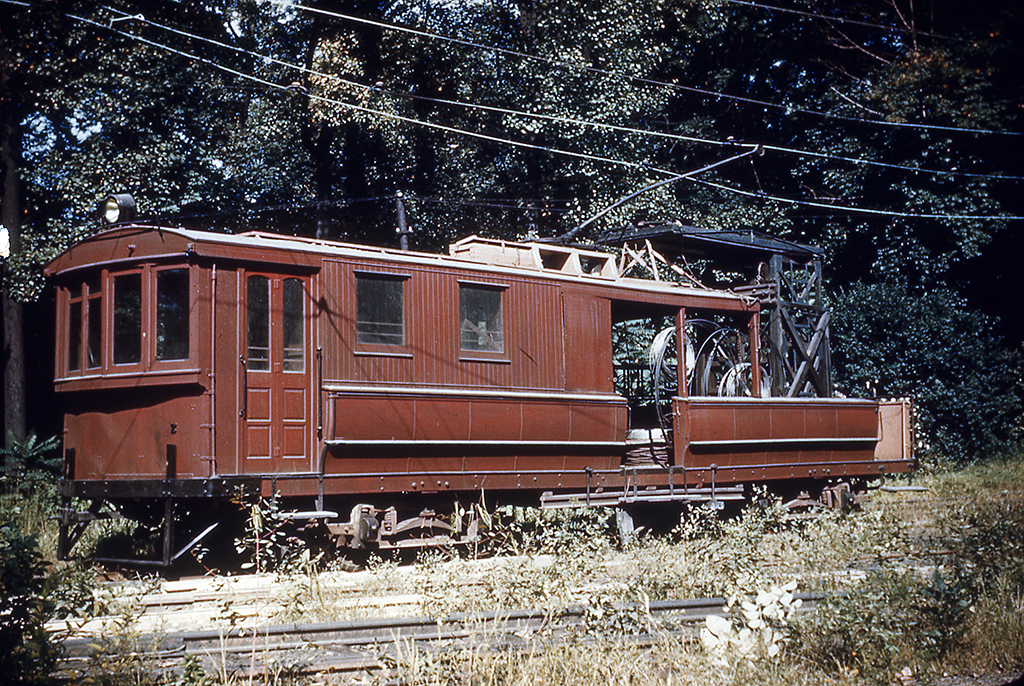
x: 480, y: 314
x: 127, y: 318
x: 258, y: 323
x: 293, y: 322
x: 380, y: 310
x: 137, y: 321
x: 86, y: 311
x: 172, y: 296
x: 94, y: 327
x: 75, y: 330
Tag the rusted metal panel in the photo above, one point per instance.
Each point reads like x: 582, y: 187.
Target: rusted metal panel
x: 738, y: 435
x: 114, y: 439
x: 588, y: 342
x: 896, y: 432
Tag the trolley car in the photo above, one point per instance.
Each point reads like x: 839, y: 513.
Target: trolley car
x: 385, y: 392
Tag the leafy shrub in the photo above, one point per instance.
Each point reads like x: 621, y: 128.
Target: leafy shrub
x: 26, y: 654
x: 26, y: 464
x: 987, y: 536
x: 519, y: 530
x: 891, y: 619
x: 894, y: 341
x: 270, y: 539
x: 756, y: 628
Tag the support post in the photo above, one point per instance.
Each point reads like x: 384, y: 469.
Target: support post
x: 168, y: 550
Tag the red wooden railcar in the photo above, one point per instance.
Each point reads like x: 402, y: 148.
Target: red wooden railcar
x: 380, y: 387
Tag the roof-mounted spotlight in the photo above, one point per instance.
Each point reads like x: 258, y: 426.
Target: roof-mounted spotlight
x: 118, y: 208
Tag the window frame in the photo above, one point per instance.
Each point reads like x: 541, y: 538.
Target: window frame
x: 476, y: 355
x: 73, y: 294
x: 403, y: 349
x: 189, y: 306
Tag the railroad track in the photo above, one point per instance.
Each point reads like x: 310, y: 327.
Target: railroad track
x: 373, y: 645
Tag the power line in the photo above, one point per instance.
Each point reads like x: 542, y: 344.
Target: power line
x: 495, y: 139
x: 847, y: 208
x: 638, y: 79
x: 840, y: 20
x: 389, y: 115
x: 560, y: 119
x: 492, y: 203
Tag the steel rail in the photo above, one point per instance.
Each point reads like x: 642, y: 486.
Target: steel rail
x: 377, y: 644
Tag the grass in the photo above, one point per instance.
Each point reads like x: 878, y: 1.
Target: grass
x: 925, y: 590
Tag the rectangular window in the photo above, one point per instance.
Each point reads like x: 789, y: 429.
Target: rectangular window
x: 258, y: 323
x: 92, y: 351
x: 138, y: 321
x: 127, y: 318
x: 94, y: 296
x: 480, y: 314
x: 75, y: 332
x: 172, y: 296
x: 380, y: 310
x: 293, y: 323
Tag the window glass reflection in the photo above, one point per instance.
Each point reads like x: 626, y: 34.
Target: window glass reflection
x: 480, y: 313
x: 92, y: 350
x: 75, y: 336
x: 172, y: 296
x: 380, y: 316
x: 258, y: 323
x: 293, y: 321
x: 127, y: 318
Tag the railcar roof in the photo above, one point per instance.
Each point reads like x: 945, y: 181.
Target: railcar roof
x: 206, y: 243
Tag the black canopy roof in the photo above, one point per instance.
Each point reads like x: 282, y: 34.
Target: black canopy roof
x: 743, y: 247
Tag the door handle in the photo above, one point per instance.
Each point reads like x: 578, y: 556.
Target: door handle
x: 245, y: 388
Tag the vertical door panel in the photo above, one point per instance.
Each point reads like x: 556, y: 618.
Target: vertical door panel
x: 278, y: 434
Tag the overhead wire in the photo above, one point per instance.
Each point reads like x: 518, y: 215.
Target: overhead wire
x: 849, y: 208
x: 840, y: 20
x: 389, y: 115
x: 561, y: 119
x: 607, y: 72
x: 493, y: 203
x: 496, y: 139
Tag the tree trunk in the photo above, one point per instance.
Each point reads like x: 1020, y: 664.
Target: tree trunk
x: 14, y: 348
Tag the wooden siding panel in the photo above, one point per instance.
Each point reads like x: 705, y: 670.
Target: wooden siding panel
x: 112, y: 441
x: 333, y: 334
x: 444, y: 420
x: 736, y: 432
x: 588, y: 342
x: 374, y: 418
x: 493, y: 420
x: 546, y: 421
x: 593, y: 422
x: 533, y: 355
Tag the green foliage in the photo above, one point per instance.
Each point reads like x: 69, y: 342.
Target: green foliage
x: 27, y: 463
x: 26, y: 654
x: 756, y: 628
x: 573, y: 530
x: 987, y: 537
x: 270, y: 540
x: 892, y: 619
x: 896, y: 341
